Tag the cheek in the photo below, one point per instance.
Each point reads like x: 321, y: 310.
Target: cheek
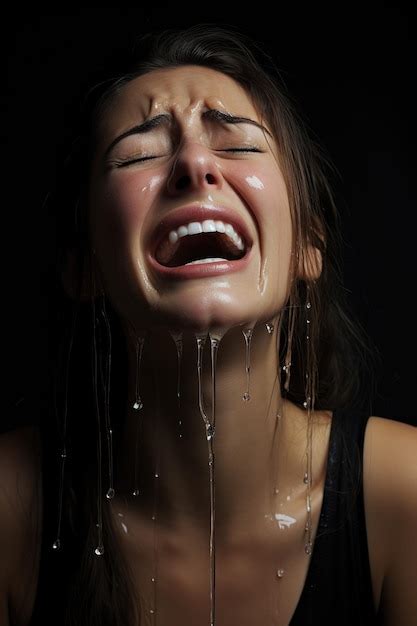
x: 263, y: 190
x: 122, y: 203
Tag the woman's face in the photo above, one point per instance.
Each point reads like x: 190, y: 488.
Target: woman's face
x: 189, y: 210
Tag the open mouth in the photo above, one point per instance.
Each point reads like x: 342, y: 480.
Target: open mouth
x: 195, y: 243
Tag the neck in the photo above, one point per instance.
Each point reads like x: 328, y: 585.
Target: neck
x: 167, y: 436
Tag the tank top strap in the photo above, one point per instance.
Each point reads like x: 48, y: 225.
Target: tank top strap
x: 338, y: 587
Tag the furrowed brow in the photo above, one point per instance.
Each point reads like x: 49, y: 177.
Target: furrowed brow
x: 228, y: 118
x: 145, y: 127
x: 165, y: 118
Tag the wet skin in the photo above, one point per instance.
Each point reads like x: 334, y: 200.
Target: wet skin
x: 197, y: 161
x: 191, y: 158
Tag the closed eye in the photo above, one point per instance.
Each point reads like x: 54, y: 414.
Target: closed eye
x: 148, y: 158
x: 249, y: 149
x: 131, y: 161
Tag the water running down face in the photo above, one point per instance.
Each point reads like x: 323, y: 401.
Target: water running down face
x: 192, y: 230
x: 189, y: 210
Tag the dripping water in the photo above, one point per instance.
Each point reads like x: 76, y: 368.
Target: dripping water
x: 99, y: 550
x: 248, y: 338
x: 110, y: 492
x: 137, y: 405
x: 214, y: 346
x: 177, y: 337
x: 157, y: 439
x: 201, y: 340
x: 210, y: 432
x: 309, y: 405
x: 63, y: 454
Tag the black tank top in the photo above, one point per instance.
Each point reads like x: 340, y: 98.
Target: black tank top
x: 338, y: 586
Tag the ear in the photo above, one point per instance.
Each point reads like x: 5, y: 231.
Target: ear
x: 79, y: 276
x: 310, y: 264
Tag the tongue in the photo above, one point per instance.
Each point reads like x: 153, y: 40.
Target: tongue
x: 197, y: 248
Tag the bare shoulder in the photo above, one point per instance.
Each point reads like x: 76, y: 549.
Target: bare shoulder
x: 390, y: 459
x: 390, y: 488
x: 20, y: 521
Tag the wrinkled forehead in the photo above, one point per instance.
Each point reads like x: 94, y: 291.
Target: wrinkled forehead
x: 185, y: 92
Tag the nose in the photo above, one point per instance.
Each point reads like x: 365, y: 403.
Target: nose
x: 194, y: 169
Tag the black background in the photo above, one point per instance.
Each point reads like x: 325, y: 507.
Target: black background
x: 352, y: 76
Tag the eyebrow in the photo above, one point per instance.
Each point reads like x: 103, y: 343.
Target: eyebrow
x: 165, y: 119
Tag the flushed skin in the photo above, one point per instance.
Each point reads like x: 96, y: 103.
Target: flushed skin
x: 192, y: 165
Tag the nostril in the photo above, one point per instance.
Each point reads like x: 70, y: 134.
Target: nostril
x: 182, y: 182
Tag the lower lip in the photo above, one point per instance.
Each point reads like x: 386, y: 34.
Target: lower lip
x: 201, y: 270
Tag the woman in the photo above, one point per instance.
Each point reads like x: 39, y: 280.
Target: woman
x: 212, y: 465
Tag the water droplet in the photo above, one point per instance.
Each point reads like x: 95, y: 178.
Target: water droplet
x: 135, y: 492
x: 308, y: 548
x: 153, y: 579
x: 280, y: 573
x: 308, y: 305
x: 99, y: 550
x: 63, y: 454
x: 305, y: 478
x: 276, y: 490
x: 246, y: 396
x: 210, y: 431
x: 269, y: 328
x: 153, y: 517
x: 156, y: 475
x: 110, y: 493
x: 138, y: 404
x: 56, y: 545
x: 152, y: 611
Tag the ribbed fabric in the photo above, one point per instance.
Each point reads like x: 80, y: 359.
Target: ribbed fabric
x: 338, y: 587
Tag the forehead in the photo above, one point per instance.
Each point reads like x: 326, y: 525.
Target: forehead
x: 186, y: 91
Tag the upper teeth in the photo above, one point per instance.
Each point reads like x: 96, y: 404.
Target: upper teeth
x: 208, y: 226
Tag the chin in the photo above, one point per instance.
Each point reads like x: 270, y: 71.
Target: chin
x: 209, y: 311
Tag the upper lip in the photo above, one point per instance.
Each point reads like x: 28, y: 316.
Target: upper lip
x: 198, y: 213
